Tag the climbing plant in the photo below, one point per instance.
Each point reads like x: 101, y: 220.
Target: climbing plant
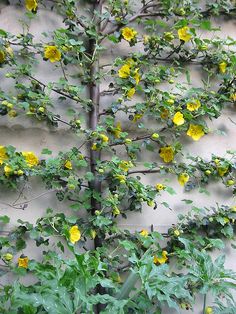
x: 140, y: 99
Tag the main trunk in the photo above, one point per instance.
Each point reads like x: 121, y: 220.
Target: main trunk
x: 94, y: 93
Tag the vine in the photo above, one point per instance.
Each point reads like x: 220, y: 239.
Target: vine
x: 143, y: 100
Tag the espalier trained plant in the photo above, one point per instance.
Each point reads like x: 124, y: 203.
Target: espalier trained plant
x: 125, y: 272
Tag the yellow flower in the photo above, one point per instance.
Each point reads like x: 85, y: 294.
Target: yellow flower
x: 209, y: 310
x: 52, y: 53
x: 160, y: 187
x: 31, y: 5
x: 75, y: 234
x: 8, y: 257
x: 124, y: 71
x: 2, y: 56
x: 104, y: 138
x: 23, y: 261
x: 117, y: 130
x: 222, y: 170
x: 93, y: 234
x: 168, y: 36
x: 9, y: 50
x: 164, y: 114
x: 121, y: 178
x: 94, y: 146
x: 193, y: 105
x: 136, y: 76
x: 176, y: 232
x: 233, y: 209
x: 128, y: 33
x: 128, y: 141
x: 161, y: 260
x: 144, y: 233
x: 155, y: 136
x: 151, y: 203
x: 31, y: 158
x: 146, y: 39
x: 167, y: 153
x: 7, y: 170
x: 233, y: 97
x: 125, y: 165
x: 222, y: 67
x: 184, y: 34
x: 12, y: 113
x: 7, y: 104
x: 195, y: 132
x: 116, y: 211
x: 131, y: 92
x: 3, y: 154
x: 178, y: 118
x: 137, y: 117
x: 68, y: 164
x: 170, y: 101
x: 183, y: 178
x: 226, y: 220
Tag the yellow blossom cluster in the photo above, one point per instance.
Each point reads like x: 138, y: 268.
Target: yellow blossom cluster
x: 161, y: 260
x: 167, y: 153
x: 31, y: 5
x: 125, y: 165
x: 184, y: 34
x: 75, y: 234
x: 23, y: 261
x: 103, y: 138
x: 128, y: 33
x: 30, y: 158
x: 68, y: 165
x: 193, y: 105
x: 121, y: 178
x: 183, y: 178
x: 3, y: 154
x: 160, y: 187
x: 128, y: 70
x: 222, y: 67
x: 52, y: 53
x: 178, y: 118
x: 195, y: 132
x: 144, y: 233
x: 117, y: 130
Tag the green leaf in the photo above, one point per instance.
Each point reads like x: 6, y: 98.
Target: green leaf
x: 217, y: 243
x: 46, y: 151
x: 3, y: 33
x: 170, y: 190
x: 187, y: 201
x: 4, y: 219
x: 203, y: 190
x: 128, y: 245
x: 89, y: 176
x: 206, y: 25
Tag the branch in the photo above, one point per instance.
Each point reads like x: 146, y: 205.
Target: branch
x: 135, y: 139
x: 145, y: 171
x: 23, y: 205
x: 135, y: 17
x: 54, y: 89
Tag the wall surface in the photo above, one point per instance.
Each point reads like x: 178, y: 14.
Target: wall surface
x: 25, y: 134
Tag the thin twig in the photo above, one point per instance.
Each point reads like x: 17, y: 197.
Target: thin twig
x: 63, y: 71
x: 135, y: 139
x: 144, y: 171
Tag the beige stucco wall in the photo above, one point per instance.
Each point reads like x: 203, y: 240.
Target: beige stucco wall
x: 34, y: 136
